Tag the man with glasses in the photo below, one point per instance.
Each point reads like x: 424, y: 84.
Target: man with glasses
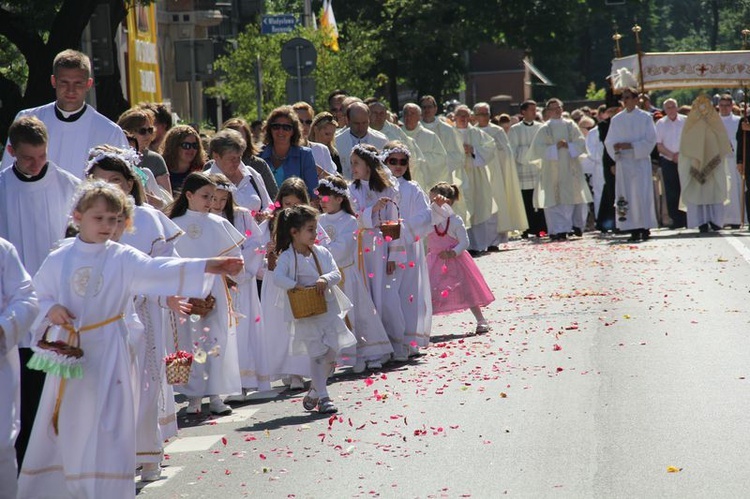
x: 335, y: 105
x: 73, y: 126
x: 562, y: 190
x: 358, y: 132
x: 668, y: 133
x: 446, y: 133
x: 630, y: 140
x: 512, y: 195
x: 731, y: 121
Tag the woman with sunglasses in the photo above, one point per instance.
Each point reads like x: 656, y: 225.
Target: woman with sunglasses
x: 183, y: 152
x: 140, y: 123
x: 323, y: 130
x: 283, y: 152
x: 322, y: 155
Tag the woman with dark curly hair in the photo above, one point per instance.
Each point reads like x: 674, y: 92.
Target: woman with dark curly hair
x: 183, y: 153
x: 282, y: 151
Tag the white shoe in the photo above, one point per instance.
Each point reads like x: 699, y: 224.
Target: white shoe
x: 151, y: 472
x: 400, y: 358
x: 236, y: 399
x: 216, y: 406
x: 194, y: 405
x: 296, y: 383
x: 360, y: 366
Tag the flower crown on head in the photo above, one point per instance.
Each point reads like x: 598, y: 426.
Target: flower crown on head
x: 395, y: 150
x: 129, y: 156
x: 330, y: 185
x: 222, y: 186
x: 361, y: 149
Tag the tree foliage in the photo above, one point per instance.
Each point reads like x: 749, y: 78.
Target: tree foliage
x: 344, y: 69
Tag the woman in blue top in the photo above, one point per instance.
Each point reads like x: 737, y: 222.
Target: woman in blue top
x: 282, y: 152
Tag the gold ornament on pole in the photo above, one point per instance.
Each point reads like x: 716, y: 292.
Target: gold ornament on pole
x: 616, y: 37
x: 637, y: 30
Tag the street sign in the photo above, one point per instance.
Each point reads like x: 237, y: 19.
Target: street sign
x: 194, y: 57
x: 279, y: 23
x: 298, y: 57
x: 300, y: 90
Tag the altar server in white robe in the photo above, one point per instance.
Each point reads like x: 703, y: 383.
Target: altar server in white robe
x: 505, y: 158
x: 520, y: 136
x: 153, y: 234
x: 74, y: 127
x: 340, y: 223
x: 562, y: 186
x: 18, y: 308
x: 595, y: 150
x: 486, y: 206
x: 434, y: 169
x: 253, y: 370
x: 412, y: 276
x: 702, y: 166
x: 83, y: 442
x: 630, y: 140
x: 208, y: 235
x: 732, y: 211
x: 35, y: 204
x: 358, y: 132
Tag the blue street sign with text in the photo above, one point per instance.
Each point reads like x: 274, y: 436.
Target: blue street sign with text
x: 279, y: 23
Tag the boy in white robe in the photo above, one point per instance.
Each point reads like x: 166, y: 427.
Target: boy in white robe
x: 35, y: 200
x: 630, y: 140
x: 733, y: 211
x: 18, y: 308
x: 74, y: 127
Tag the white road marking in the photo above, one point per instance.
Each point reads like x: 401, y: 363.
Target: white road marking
x: 192, y: 444
x: 743, y: 250
x: 239, y: 415
x: 166, y: 474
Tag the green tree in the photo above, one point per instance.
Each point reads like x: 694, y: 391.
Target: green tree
x: 344, y: 69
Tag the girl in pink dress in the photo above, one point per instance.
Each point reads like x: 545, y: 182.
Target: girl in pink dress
x: 456, y: 281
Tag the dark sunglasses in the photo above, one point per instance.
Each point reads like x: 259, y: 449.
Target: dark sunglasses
x: 189, y: 145
x: 145, y: 130
x: 281, y: 126
x: 396, y: 161
x: 306, y: 122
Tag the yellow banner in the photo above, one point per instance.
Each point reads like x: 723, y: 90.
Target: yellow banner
x: 144, y: 83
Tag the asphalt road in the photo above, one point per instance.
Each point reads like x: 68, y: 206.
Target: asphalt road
x: 612, y: 370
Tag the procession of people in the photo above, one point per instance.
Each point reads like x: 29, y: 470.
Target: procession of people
x: 131, y: 248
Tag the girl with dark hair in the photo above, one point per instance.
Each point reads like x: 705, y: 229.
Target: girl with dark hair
x: 455, y: 280
x: 245, y: 296
x: 301, y: 264
x: 413, y: 282
x: 213, y: 334
x: 375, y: 198
x: 340, y: 224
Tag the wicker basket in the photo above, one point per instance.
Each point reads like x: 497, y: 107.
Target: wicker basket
x: 178, y: 372
x: 202, y: 307
x: 307, y: 302
x: 61, y: 347
x: 391, y: 228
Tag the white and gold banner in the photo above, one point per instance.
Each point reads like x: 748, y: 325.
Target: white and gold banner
x: 666, y: 70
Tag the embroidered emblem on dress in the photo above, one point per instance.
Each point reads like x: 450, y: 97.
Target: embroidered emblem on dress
x: 331, y: 231
x: 80, y: 281
x: 194, y: 231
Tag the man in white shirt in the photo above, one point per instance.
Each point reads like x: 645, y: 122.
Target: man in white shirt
x: 668, y: 132
x: 73, y: 126
x: 732, y: 211
x: 358, y: 132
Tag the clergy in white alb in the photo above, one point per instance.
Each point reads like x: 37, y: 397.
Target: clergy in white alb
x: 18, y: 308
x: 435, y: 166
x: 732, y: 211
x: 358, y: 132
x: 476, y: 187
x: 630, y: 140
x: 520, y: 136
x: 417, y: 161
x: 702, y: 165
x: 562, y: 186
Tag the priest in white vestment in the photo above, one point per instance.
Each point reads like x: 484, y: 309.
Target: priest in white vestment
x: 520, y: 136
x: 630, y: 140
x: 732, y: 211
x: 562, y: 186
x: 435, y: 166
x: 514, y: 200
x: 358, y: 132
x: 73, y: 126
x: 702, y: 166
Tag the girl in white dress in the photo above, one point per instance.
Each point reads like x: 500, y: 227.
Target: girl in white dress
x: 212, y: 337
x: 253, y: 371
x: 413, y: 277
x: 375, y: 197
x: 83, y: 441
x: 302, y: 263
x: 154, y: 234
x: 340, y: 224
